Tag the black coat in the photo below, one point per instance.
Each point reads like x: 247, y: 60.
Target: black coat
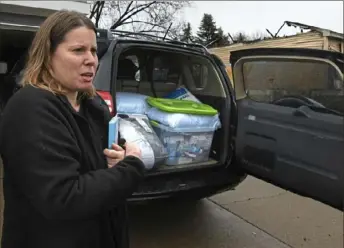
x: 58, y: 190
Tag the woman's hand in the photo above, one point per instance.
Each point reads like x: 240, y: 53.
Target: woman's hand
x: 131, y: 149
x: 117, y: 153
x: 114, y: 155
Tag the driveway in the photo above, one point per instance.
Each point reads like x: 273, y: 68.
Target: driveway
x: 298, y: 221
x: 203, y: 224
x: 255, y: 215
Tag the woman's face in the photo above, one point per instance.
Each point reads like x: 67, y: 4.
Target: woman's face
x: 75, y: 60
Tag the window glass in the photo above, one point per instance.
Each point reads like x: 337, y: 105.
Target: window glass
x: 199, y: 74
x: 270, y: 81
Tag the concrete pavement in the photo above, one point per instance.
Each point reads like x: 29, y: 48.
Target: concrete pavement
x: 260, y: 216
x: 298, y: 221
x: 199, y: 225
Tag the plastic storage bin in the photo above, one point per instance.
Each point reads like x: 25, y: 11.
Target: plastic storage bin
x: 185, y: 146
x: 181, y: 114
x: 181, y: 106
x: 186, y: 128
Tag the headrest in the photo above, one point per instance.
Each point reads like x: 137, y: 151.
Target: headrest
x: 3, y: 67
x: 126, y: 69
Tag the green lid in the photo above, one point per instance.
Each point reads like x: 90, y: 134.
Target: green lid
x: 181, y: 106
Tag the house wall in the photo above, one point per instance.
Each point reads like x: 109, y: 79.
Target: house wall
x: 21, y: 14
x: 335, y: 45
x: 306, y: 40
x: 314, y: 40
x: 40, y: 8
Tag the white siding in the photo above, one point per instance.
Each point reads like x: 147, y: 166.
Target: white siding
x: 81, y: 6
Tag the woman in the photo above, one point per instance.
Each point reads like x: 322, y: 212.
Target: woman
x: 62, y: 189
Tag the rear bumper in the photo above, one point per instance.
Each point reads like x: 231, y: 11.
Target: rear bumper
x: 194, y: 184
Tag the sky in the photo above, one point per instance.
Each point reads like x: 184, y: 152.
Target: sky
x: 256, y: 16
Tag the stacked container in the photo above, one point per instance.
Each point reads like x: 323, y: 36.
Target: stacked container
x: 186, y: 128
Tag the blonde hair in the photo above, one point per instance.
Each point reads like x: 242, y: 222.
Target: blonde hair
x: 51, y: 33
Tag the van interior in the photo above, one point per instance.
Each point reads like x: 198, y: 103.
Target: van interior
x: 13, y: 50
x: 157, y: 72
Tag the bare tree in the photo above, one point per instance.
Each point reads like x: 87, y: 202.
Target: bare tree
x: 151, y: 17
x: 240, y: 37
x: 258, y: 35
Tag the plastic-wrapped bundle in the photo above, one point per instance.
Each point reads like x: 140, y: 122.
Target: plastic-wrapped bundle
x: 180, y: 121
x: 136, y: 129
x: 131, y: 103
x: 183, y: 94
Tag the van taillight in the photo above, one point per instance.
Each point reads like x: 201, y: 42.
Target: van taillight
x: 108, y: 99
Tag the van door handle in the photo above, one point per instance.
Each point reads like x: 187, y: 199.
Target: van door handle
x: 301, y: 112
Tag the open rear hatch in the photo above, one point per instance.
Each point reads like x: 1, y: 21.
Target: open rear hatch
x: 148, y: 78
x: 290, y: 119
x: 271, y: 75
